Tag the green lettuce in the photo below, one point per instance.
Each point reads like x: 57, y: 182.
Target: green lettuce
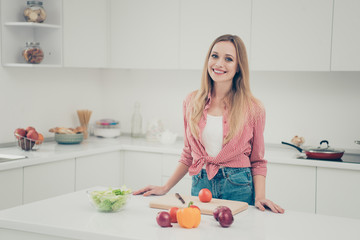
x: 111, y: 199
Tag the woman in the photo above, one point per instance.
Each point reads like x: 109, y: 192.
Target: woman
x: 224, y: 125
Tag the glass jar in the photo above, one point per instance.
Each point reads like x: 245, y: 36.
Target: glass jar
x: 35, y: 12
x: 32, y: 53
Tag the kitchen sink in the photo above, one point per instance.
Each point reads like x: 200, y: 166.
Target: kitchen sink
x: 10, y: 157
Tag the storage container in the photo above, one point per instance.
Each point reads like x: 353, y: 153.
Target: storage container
x: 35, y: 12
x: 33, y: 53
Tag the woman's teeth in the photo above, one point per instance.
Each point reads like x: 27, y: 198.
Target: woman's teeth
x: 217, y: 71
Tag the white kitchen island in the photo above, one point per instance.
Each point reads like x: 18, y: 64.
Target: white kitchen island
x: 71, y: 216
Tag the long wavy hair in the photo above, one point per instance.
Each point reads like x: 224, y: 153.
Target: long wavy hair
x: 239, y: 99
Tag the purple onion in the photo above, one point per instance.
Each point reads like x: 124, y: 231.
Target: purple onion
x: 163, y: 219
x: 225, y: 218
x: 218, y: 210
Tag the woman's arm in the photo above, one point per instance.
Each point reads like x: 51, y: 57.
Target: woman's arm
x: 179, y: 173
x: 260, y: 201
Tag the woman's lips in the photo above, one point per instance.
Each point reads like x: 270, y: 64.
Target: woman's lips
x: 218, y: 71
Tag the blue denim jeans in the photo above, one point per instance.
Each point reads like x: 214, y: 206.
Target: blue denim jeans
x: 229, y: 183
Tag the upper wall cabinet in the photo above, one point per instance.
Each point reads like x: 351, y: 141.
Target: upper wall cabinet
x: 346, y: 37
x: 16, y: 32
x: 144, y: 34
x: 291, y: 35
x: 202, y: 21
x: 85, y: 33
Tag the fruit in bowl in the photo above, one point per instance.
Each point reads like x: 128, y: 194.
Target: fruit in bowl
x: 28, y: 139
x: 110, y: 199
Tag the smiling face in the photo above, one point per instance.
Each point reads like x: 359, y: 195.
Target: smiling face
x: 223, y: 63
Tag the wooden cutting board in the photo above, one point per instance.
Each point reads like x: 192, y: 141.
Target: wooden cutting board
x: 170, y: 200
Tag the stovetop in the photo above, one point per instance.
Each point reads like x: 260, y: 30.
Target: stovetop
x: 347, y: 158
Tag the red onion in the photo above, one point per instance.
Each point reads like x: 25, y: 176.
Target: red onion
x: 225, y: 218
x: 218, y: 210
x: 163, y: 219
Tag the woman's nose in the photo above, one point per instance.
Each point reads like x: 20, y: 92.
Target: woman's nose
x: 219, y: 63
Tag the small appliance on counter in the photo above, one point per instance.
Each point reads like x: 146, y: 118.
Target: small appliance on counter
x: 107, y: 128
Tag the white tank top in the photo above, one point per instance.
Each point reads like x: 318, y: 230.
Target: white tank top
x: 212, y: 135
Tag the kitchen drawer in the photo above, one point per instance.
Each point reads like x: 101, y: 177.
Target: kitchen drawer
x: 292, y: 186
x: 142, y: 169
x: 49, y: 180
x: 105, y: 169
x: 11, y: 185
x: 338, y: 192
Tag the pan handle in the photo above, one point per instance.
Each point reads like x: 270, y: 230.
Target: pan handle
x: 292, y: 145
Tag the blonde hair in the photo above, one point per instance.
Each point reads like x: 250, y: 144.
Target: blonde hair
x: 239, y: 99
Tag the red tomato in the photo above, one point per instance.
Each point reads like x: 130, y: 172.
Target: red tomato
x: 172, y: 212
x: 205, y: 195
x: 193, y: 206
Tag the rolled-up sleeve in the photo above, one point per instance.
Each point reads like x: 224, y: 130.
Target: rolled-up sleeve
x: 258, y: 163
x: 186, y: 157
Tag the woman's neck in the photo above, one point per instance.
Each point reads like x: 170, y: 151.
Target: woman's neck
x: 221, y: 90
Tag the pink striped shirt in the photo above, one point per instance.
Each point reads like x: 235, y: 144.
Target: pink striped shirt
x: 243, y: 150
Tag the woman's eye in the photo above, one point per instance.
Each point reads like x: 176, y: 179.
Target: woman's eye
x: 229, y: 59
x: 213, y: 55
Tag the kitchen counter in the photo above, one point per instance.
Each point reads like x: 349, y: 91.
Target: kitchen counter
x: 70, y: 216
x: 52, y: 151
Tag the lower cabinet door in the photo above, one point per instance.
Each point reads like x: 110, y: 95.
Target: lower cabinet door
x: 292, y: 186
x: 142, y: 169
x: 103, y: 169
x: 169, y: 164
x: 49, y: 180
x: 338, y: 192
x: 11, y: 185
x: 183, y: 187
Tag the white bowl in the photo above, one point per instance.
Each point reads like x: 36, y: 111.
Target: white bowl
x: 107, y: 132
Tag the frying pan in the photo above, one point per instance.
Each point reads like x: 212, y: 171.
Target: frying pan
x: 320, y: 152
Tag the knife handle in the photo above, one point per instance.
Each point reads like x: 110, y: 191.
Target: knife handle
x: 180, y: 198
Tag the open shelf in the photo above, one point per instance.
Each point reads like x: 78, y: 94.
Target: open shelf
x: 28, y: 65
x: 31, y: 24
x: 16, y: 32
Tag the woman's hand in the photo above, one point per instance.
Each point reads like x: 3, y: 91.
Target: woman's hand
x: 151, y: 190
x: 266, y: 203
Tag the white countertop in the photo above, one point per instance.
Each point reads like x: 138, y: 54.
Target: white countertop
x: 71, y: 216
x: 52, y: 151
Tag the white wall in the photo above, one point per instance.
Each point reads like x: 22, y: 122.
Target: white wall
x: 46, y: 98
x: 315, y: 105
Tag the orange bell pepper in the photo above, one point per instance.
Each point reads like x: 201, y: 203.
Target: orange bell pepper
x: 188, y: 217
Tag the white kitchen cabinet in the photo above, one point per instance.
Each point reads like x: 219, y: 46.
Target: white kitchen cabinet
x: 346, y: 37
x: 204, y: 20
x: 142, y: 169
x: 16, y: 32
x: 144, y: 34
x: 11, y: 185
x: 105, y: 169
x: 291, y: 35
x: 292, y: 186
x: 338, y: 192
x: 169, y: 164
x: 85, y: 33
x: 48, y: 180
